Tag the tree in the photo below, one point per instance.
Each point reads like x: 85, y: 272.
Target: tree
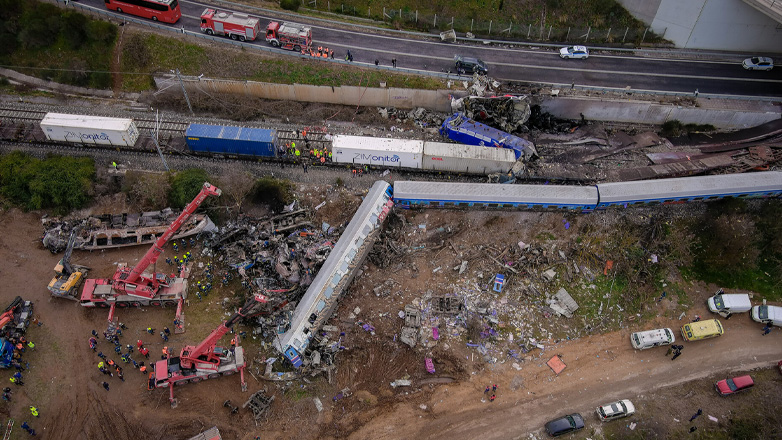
x: 148, y: 191
x: 74, y: 30
x: 185, y: 185
x: 237, y: 183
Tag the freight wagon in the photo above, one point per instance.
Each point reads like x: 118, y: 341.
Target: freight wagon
x: 82, y: 129
x: 386, y: 152
x: 231, y: 141
x: 468, y: 159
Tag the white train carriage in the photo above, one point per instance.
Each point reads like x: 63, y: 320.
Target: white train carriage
x: 690, y: 189
x: 81, y: 129
x: 409, y: 194
x: 337, y: 272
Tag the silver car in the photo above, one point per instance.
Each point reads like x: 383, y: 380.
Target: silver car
x: 758, y: 63
x: 577, y: 52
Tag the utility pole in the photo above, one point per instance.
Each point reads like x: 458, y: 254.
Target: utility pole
x: 185, y: 92
x: 155, y: 136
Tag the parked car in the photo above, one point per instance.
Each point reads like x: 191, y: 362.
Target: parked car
x: 767, y: 315
x: 564, y: 425
x: 758, y: 63
x: 733, y: 385
x: 577, y: 52
x: 470, y: 65
x: 615, y: 410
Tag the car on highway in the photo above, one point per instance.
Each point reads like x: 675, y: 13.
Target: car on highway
x: 577, y: 52
x: 565, y: 425
x: 470, y: 65
x: 615, y: 410
x: 734, y: 385
x: 758, y: 63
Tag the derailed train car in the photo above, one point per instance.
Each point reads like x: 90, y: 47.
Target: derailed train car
x: 410, y: 194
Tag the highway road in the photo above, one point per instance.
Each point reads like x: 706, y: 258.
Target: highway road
x: 660, y: 71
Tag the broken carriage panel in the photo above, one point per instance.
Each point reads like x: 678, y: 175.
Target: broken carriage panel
x: 460, y: 128
x: 336, y: 273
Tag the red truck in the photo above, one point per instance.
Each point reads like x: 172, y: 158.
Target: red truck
x: 234, y: 25
x: 291, y: 36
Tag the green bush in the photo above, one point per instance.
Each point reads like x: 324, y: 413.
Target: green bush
x: 290, y: 5
x: 273, y: 192
x: 61, y: 183
x: 185, y: 185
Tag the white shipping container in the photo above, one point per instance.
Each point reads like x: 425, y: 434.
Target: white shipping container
x: 82, y: 129
x: 388, y: 152
x: 470, y: 159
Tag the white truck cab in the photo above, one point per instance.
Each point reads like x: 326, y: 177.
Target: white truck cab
x: 726, y: 304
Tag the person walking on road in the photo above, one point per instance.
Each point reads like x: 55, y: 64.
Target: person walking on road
x: 34, y: 411
x: 106, y: 385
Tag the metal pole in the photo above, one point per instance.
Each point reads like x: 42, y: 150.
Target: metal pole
x: 623, y: 38
x: 608, y: 35
x: 154, y: 138
x: 185, y: 92
x: 588, y: 31
x: 435, y: 21
x: 472, y: 20
x: 568, y: 33
x: 490, y: 26
x: 550, y: 28
x: 416, y: 16
x: 644, y: 36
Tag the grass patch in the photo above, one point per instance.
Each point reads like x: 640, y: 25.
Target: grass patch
x: 739, y: 245
x: 145, y: 54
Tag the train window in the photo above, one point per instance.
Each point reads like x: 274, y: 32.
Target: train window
x: 697, y: 198
x: 742, y: 195
x: 713, y: 198
x: 493, y: 205
x: 449, y: 204
x: 507, y: 205
x: 463, y: 204
x: 434, y: 203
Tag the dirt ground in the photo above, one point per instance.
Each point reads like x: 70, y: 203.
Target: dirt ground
x: 64, y: 383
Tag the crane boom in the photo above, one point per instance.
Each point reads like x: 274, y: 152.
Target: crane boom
x: 252, y: 307
x: 154, y: 252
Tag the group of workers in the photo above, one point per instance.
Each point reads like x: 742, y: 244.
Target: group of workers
x: 20, y: 345
x: 321, y: 52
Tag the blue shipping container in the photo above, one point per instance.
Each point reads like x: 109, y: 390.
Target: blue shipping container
x: 223, y: 139
x: 460, y: 128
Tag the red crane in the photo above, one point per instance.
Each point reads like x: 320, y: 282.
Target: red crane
x: 133, y: 286
x: 207, y: 360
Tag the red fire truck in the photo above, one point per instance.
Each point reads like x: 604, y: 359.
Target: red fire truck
x: 234, y: 25
x: 291, y: 36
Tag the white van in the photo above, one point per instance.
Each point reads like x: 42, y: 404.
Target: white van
x: 726, y: 304
x: 768, y: 314
x: 652, y: 338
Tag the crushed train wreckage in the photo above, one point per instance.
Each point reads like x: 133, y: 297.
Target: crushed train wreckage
x: 118, y: 230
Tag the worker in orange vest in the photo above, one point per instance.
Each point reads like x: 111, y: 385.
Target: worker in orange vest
x: 165, y: 352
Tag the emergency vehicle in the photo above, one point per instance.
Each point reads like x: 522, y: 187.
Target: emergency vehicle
x: 235, y: 25
x: 291, y: 36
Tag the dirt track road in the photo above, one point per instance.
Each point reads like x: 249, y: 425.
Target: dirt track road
x: 599, y: 369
